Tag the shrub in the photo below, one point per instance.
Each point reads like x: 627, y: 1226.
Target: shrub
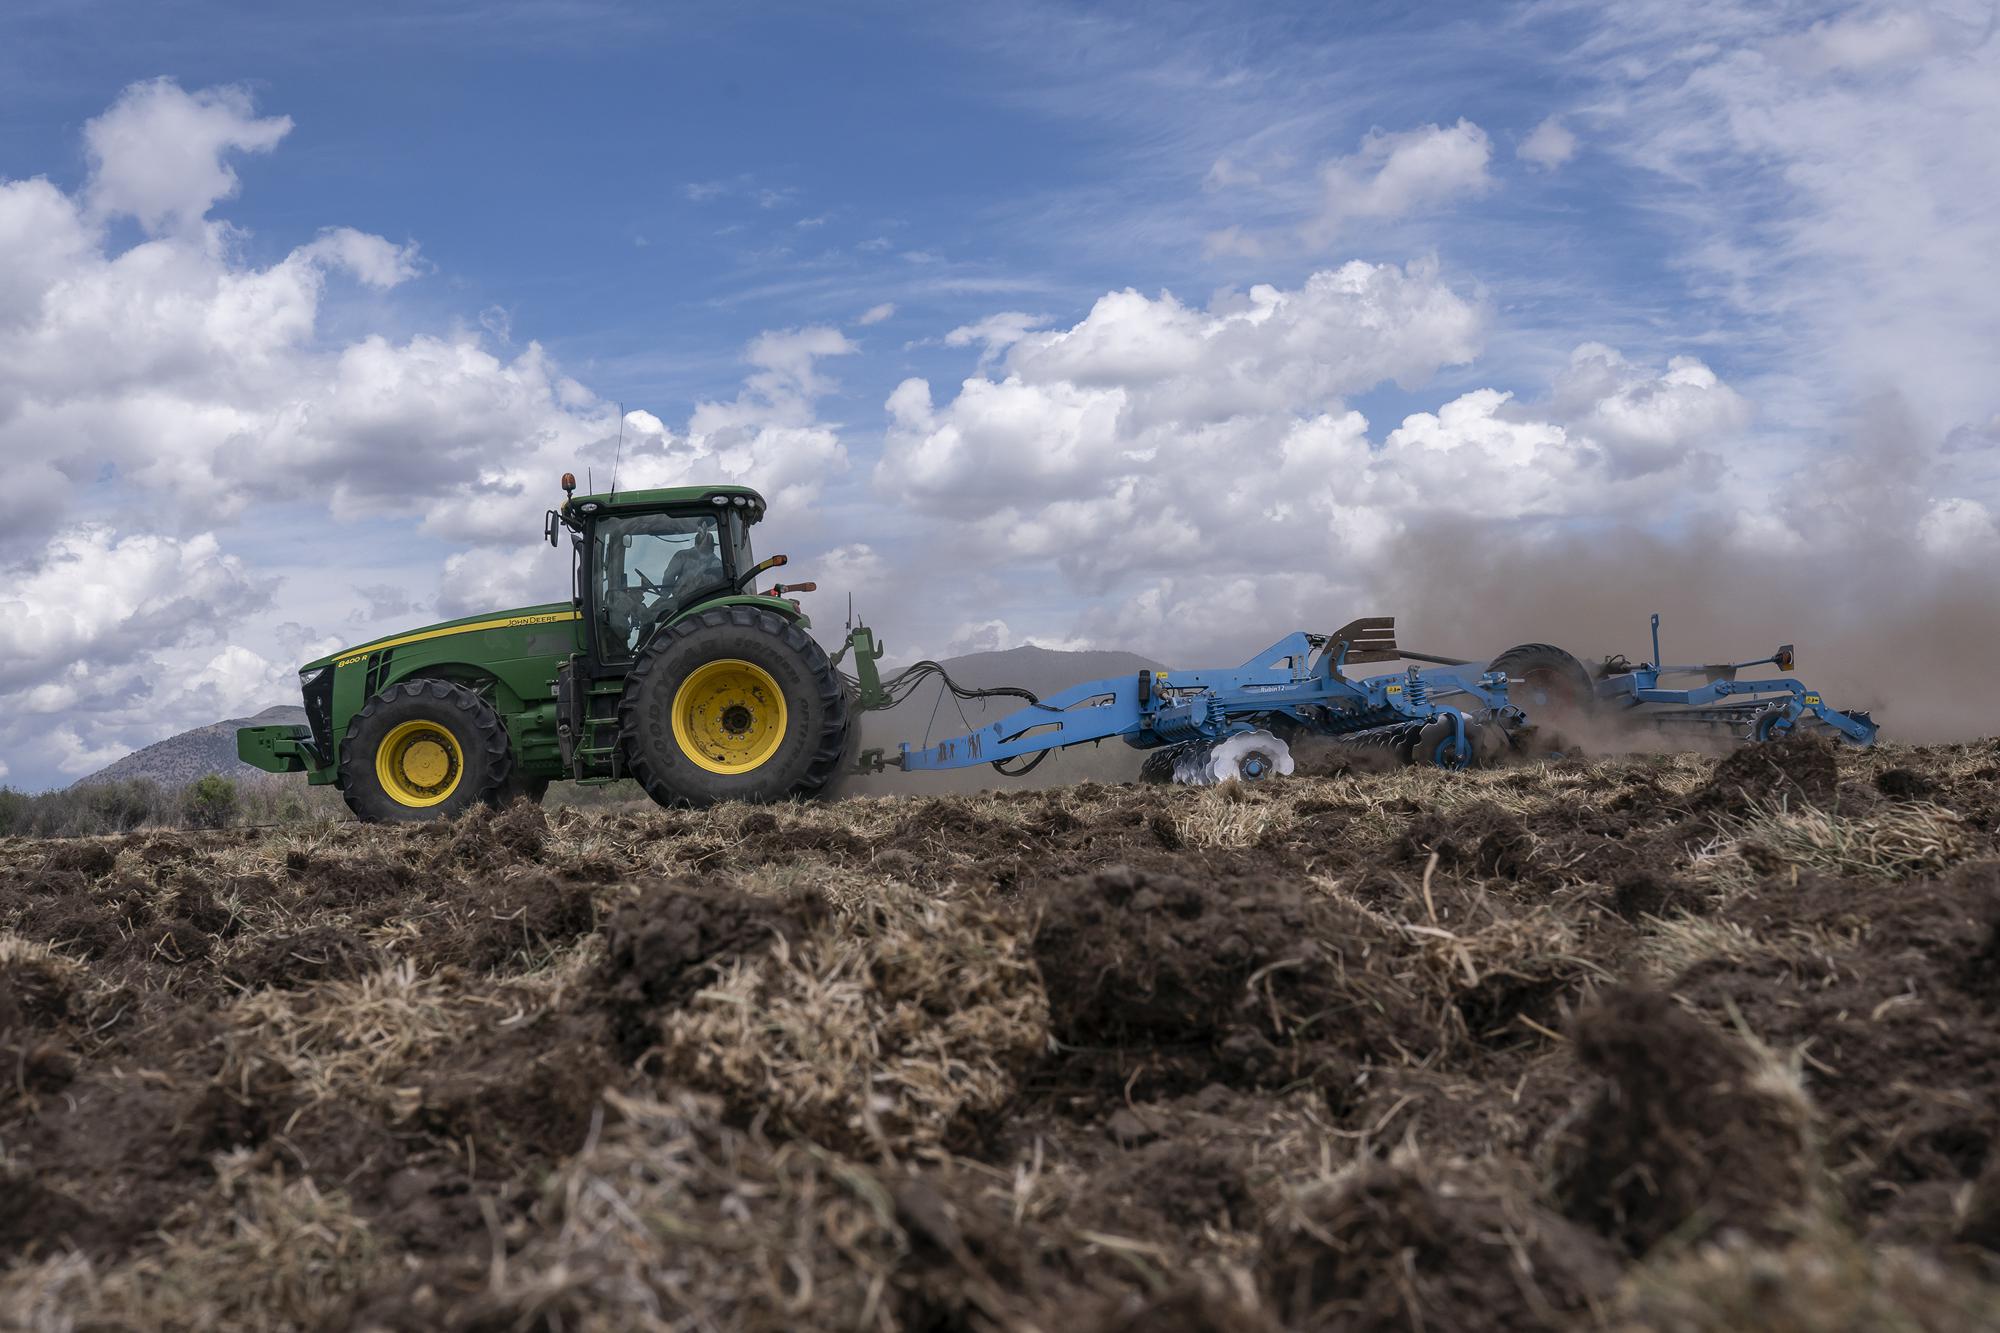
x: 116, y: 807
x: 16, y: 810
x: 209, y: 802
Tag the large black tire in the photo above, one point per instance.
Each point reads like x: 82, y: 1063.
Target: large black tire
x: 699, y: 721
x: 384, y: 765
x: 1553, y: 681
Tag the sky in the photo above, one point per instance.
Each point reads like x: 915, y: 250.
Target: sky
x: 1160, y: 327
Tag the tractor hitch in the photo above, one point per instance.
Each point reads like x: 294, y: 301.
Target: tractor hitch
x: 287, y: 749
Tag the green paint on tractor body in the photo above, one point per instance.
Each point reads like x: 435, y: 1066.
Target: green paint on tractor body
x: 644, y: 561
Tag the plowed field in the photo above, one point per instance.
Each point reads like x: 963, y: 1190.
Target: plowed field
x: 1653, y: 1042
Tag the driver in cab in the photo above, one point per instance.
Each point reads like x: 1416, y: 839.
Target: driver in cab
x: 694, y: 569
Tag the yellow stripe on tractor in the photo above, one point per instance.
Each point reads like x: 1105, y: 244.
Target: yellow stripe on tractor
x: 505, y: 622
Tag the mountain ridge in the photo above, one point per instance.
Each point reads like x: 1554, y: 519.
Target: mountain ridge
x: 194, y: 754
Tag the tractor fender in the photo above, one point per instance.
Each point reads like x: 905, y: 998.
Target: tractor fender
x: 503, y: 697
x: 777, y: 606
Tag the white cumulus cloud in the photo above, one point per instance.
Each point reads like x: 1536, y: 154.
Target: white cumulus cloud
x: 1180, y: 466
x: 1548, y: 145
x: 159, y: 153
x: 1395, y: 174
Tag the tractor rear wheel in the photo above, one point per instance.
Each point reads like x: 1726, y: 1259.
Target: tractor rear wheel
x: 733, y: 704
x: 423, y: 749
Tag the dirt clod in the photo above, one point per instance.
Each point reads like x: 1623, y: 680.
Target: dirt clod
x: 661, y: 946
x: 1799, y: 771
x: 1905, y: 784
x: 1393, y: 1245
x: 1691, y: 1129
x: 315, y: 954
x: 1253, y: 974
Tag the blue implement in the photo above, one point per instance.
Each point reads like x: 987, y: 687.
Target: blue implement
x: 1756, y: 710
x: 1297, y: 684
x: 1213, y: 724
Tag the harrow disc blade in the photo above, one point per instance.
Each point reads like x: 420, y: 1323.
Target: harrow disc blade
x: 1249, y: 756
x: 1191, y: 765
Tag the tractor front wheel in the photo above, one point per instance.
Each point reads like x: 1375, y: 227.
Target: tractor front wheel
x: 423, y: 749
x: 733, y: 704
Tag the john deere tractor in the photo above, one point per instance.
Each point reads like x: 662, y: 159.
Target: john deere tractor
x: 664, y: 666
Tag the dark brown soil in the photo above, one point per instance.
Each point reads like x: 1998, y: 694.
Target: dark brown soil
x: 662, y: 944
x: 1390, y: 1245
x: 1801, y: 770
x: 1686, y: 1134
x: 1358, y: 1050
x: 1180, y: 983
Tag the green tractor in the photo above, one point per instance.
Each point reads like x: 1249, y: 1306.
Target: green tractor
x: 665, y: 666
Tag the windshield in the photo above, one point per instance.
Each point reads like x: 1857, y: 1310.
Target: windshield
x: 649, y: 566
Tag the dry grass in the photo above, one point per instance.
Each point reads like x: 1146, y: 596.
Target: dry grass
x: 1231, y: 815
x: 1485, y: 979
x: 1670, y: 946
x: 670, y: 1220
x: 263, y: 1251
x: 1904, y: 840
x: 1824, y: 1282
x: 349, y: 1038
x: 903, y: 1024
x: 18, y: 951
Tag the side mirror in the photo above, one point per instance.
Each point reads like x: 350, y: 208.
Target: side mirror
x: 1783, y: 657
x: 549, y: 527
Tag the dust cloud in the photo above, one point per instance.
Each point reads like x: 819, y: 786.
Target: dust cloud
x: 1881, y: 628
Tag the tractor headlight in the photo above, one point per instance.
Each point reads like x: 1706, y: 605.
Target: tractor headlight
x: 307, y: 679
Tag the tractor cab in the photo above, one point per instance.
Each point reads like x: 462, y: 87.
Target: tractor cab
x: 645, y: 558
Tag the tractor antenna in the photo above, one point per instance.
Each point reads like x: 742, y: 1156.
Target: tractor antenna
x: 620, y: 451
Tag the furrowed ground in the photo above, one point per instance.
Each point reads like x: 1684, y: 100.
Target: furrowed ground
x: 1653, y: 1042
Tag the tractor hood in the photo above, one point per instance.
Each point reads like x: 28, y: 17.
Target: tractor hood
x: 548, y: 613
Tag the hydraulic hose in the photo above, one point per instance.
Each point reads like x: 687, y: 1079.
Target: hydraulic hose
x: 900, y: 686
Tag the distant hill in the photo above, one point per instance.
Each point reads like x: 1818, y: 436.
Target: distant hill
x: 212, y: 749
x: 181, y: 759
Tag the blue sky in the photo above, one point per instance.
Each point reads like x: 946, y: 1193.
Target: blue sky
x: 1698, y: 274
x: 644, y: 188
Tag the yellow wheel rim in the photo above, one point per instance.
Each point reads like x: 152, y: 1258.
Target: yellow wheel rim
x: 419, y: 763
x: 729, y: 716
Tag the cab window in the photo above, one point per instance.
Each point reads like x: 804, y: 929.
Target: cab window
x: 649, y: 567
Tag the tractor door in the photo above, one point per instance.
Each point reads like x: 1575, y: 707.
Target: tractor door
x: 644, y: 569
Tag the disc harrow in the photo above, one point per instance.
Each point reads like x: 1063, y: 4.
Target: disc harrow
x: 1204, y: 727
x: 1246, y: 756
